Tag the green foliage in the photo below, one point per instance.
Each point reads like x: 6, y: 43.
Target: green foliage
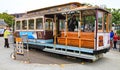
x: 118, y: 32
x: 7, y: 18
x: 90, y: 19
x: 115, y: 15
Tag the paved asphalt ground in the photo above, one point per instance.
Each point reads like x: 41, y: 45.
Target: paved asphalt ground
x: 46, y: 61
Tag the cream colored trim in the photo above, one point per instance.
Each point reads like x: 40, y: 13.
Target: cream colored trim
x: 34, y: 24
x: 21, y: 25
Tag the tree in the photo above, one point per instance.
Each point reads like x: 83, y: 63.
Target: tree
x: 115, y: 15
x: 7, y: 18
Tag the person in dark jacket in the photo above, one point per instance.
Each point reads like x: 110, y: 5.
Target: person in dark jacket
x: 72, y: 22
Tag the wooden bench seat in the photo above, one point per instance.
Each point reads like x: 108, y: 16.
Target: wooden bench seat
x: 86, y: 40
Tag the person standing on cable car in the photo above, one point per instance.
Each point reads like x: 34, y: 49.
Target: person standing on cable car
x: 72, y: 22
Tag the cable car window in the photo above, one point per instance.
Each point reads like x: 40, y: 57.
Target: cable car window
x: 100, y: 21
x: 88, y: 24
x: 104, y: 21
x: 48, y: 24
x: 24, y: 24
x: 62, y: 25
x: 31, y: 24
x: 18, y: 25
x: 39, y: 23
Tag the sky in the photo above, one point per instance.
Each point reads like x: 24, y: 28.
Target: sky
x: 22, y: 6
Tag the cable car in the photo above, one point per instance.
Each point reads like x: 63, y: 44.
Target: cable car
x: 69, y: 29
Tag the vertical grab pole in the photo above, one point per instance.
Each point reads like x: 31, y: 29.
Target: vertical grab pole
x: 27, y: 41
x: 79, y: 30
x: 54, y: 31
x: 28, y: 59
x: 27, y: 34
x: 23, y: 38
x: 44, y: 23
x: 27, y: 44
x: 103, y: 28
x: 95, y: 31
x: 66, y: 29
x: 35, y: 28
x: 107, y: 24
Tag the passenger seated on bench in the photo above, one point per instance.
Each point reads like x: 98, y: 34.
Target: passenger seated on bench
x: 89, y: 28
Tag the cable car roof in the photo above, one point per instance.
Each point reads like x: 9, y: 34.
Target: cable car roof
x: 84, y: 8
